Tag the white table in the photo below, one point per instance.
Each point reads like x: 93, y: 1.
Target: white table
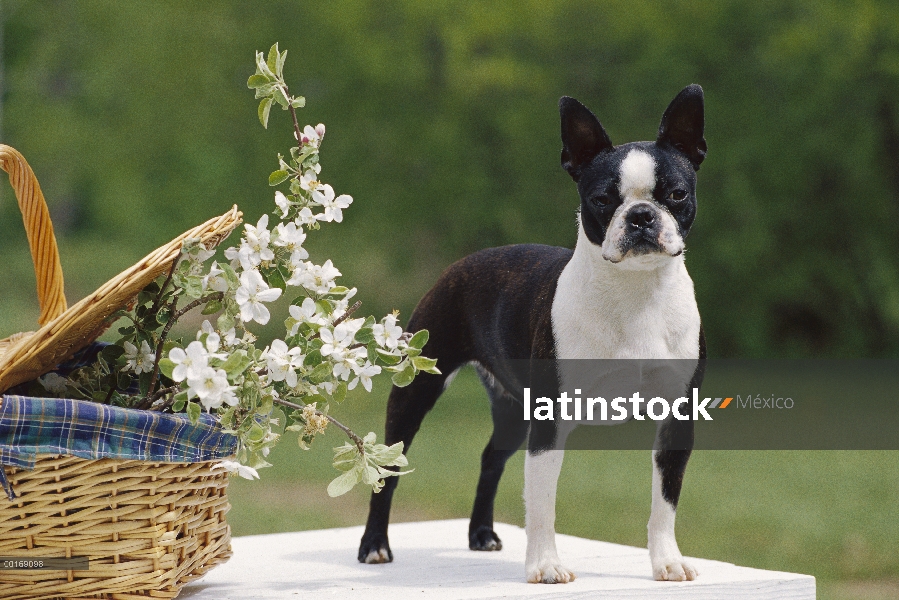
x: 431, y: 560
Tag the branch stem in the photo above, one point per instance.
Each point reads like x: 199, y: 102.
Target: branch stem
x: 165, y: 284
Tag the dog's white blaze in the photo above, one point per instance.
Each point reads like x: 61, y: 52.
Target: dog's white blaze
x: 637, y: 175
x: 541, y: 475
x: 667, y: 562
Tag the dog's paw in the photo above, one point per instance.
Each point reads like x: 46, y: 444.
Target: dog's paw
x: 674, y: 569
x: 483, y: 538
x: 549, y: 572
x: 374, y: 549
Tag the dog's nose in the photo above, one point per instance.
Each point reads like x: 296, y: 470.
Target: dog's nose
x: 640, y: 217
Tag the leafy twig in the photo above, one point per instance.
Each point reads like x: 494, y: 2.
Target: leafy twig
x: 165, y: 284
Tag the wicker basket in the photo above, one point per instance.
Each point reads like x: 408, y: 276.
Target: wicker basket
x: 147, y: 527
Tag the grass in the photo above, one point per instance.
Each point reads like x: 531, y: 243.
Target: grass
x: 831, y: 514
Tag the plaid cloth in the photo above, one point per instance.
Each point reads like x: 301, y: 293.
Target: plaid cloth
x: 33, y: 426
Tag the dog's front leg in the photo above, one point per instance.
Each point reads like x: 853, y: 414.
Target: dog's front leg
x: 674, y: 442
x: 541, y: 475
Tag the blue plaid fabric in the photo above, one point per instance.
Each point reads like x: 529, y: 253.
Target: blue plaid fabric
x: 33, y: 426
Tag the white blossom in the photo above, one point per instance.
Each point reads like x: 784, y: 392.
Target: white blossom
x: 53, y: 383
x: 214, y: 280
x: 318, y: 279
x: 333, y: 206
x: 307, y: 312
x: 364, y: 374
x: 338, y: 338
x: 387, y: 334
x: 282, y: 361
x: 309, y: 181
x: 291, y: 237
x: 189, y: 361
x: 258, y: 238
x: 283, y: 203
x: 306, y: 217
x: 253, y: 291
x: 211, y: 387
x: 311, y: 137
x: 139, y: 361
x: 233, y: 466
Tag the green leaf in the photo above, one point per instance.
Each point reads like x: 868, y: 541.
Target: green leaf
x: 162, y: 317
x: 388, y: 358
x: 212, y: 307
x: 262, y: 66
x: 423, y: 363
x: 344, y: 483
x: 277, y: 419
x: 230, y: 276
x: 320, y: 373
x: 236, y: 364
x: 225, y: 322
x: 365, y: 335
x: 166, y: 367
x: 278, y: 177
x: 419, y: 339
x: 180, y: 401
x: 257, y: 81
x: 276, y: 279
x: 264, y: 107
x: 388, y: 455
x: 340, y: 390
x: 404, y: 377
x: 281, y: 97
x: 193, y: 412
x: 112, y: 352
x: 324, y: 306
x: 280, y: 64
x: 256, y: 433
x: 298, y: 102
x: 273, y: 56
x: 338, y: 291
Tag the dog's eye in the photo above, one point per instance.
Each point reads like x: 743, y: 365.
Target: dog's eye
x: 677, y: 195
x: 601, y: 200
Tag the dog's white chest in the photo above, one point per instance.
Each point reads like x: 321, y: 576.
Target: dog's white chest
x: 602, y: 311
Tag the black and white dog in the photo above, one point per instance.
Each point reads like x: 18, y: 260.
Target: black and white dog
x: 623, y: 292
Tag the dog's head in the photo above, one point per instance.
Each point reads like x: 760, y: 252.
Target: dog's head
x: 638, y: 200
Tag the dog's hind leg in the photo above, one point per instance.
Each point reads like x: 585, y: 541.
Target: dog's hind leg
x: 674, y: 443
x: 406, y: 408
x: 509, y: 432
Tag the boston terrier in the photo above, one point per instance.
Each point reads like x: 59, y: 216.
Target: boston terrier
x: 622, y: 293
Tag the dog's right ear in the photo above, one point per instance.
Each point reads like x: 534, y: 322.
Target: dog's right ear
x: 582, y: 136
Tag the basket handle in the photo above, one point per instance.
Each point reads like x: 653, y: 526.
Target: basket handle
x: 44, y: 252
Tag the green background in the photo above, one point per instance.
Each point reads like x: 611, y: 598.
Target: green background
x: 443, y: 125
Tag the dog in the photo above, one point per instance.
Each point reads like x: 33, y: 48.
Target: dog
x: 622, y: 293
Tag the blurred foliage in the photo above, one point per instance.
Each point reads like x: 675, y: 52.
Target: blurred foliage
x: 442, y: 124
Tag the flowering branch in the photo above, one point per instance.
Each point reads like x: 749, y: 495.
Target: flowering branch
x: 325, y: 351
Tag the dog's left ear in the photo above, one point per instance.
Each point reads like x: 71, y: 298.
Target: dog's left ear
x: 683, y: 124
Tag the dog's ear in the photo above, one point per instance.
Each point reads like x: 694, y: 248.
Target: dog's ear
x: 582, y: 136
x: 683, y: 124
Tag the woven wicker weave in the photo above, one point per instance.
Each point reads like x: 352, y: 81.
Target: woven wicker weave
x: 147, y: 528
x: 25, y: 356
